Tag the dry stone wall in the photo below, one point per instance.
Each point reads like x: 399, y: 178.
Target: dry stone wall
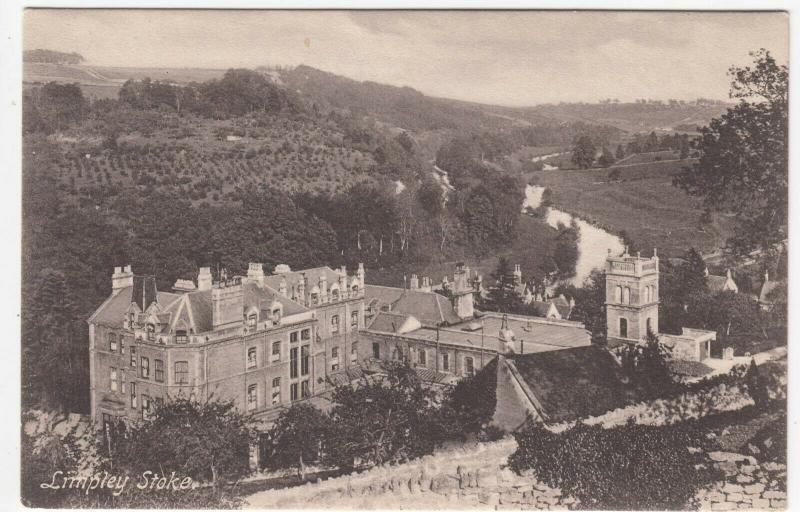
x: 747, y: 485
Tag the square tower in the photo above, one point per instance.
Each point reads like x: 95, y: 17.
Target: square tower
x: 631, y: 297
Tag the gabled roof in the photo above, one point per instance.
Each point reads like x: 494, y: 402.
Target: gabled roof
x: 390, y: 322
x: 144, y: 291
x: 573, y: 383
x: 769, y: 289
x: 544, y: 309
x: 430, y: 308
x: 112, y: 312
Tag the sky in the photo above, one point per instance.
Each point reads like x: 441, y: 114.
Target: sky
x: 500, y: 57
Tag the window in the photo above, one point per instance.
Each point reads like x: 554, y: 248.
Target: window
x: 335, y: 324
x: 252, y: 397
x: 293, y: 337
x: 133, y: 395
x: 623, y: 327
x: 304, y: 360
x: 305, y: 334
x: 180, y: 337
x: 123, y: 383
x: 252, y: 319
x: 133, y: 356
x: 113, y: 379
x: 335, y: 367
x: 618, y: 294
x: 314, y: 298
x: 446, y: 362
x: 376, y: 350
x: 112, y: 342
x: 355, y: 289
x: 276, y: 351
x: 293, y: 363
x: 121, y: 345
x: 422, y: 357
x: 293, y: 392
x: 650, y: 325
x: 305, y: 390
x: 335, y: 294
x: 276, y: 316
x: 469, y: 366
x: 276, y: 390
x: 151, y: 332
x: 627, y: 296
x: 181, y: 372
x: 335, y: 353
x: 354, y: 319
x: 252, y: 357
x: 159, y: 373
x: 145, y: 370
x: 354, y: 351
x: 145, y: 407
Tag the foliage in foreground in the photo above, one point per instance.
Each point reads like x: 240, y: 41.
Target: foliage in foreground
x: 635, y: 467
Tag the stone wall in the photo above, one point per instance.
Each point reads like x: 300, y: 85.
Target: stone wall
x: 468, y: 476
x: 747, y: 485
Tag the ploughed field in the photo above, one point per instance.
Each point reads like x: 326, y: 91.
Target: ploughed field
x: 642, y: 202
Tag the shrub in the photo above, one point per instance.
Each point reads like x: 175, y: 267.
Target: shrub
x: 631, y: 467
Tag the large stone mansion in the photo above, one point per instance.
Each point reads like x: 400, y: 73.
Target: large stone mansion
x: 267, y: 341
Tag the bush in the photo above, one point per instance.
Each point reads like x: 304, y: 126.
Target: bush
x: 632, y: 467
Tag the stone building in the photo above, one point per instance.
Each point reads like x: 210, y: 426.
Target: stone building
x: 632, y: 308
x: 260, y: 340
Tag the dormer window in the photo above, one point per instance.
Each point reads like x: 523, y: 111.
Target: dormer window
x: 314, y: 298
x: 151, y: 332
x: 252, y: 319
x: 335, y: 294
x: 276, y: 316
x: 355, y: 288
x: 181, y: 337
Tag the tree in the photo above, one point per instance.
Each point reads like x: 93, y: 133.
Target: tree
x: 606, y: 158
x: 296, y: 438
x: 590, y: 304
x: 756, y: 385
x: 503, y: 297
x: 565, y: 252
x: 647, y: 365
x: 743, y: 167
x: 389, y: 417
x: 583, y: 152
x: 208, y: 441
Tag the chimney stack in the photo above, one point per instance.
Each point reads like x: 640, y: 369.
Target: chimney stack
x: 255, y: 273
x: 121, y: 278
x: 204, y: 279
x: 414, y: 282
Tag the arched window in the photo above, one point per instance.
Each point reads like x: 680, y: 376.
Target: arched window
x: 647, y: 294
x: 650, y: 325
x: 623, y: 328
x: 334, y: 294
x: 618, y: 294
x: 626, y: 295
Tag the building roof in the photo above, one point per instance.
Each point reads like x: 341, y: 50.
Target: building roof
x: 430, y: 308
x: 769, y: 289
x: 573, y: 383
x: 543, y: 309
x: 391, y: 322
x: 191, y: 311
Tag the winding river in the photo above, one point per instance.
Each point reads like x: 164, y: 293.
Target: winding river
x: 593, y: 244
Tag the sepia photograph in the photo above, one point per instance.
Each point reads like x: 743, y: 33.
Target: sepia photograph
x: 403, y: 259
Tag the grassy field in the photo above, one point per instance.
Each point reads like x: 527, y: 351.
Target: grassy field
x: 643, y: 203
x: 655, y: 156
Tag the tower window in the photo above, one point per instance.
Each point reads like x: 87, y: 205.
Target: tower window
x: 354, y: 319
x: 650, y: 326
x: 335, y: 324
x: 618, y: 294
x: 623, y: 327
x: 626, y: 295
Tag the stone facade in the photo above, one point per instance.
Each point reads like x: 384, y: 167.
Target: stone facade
x: 262, y: 341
